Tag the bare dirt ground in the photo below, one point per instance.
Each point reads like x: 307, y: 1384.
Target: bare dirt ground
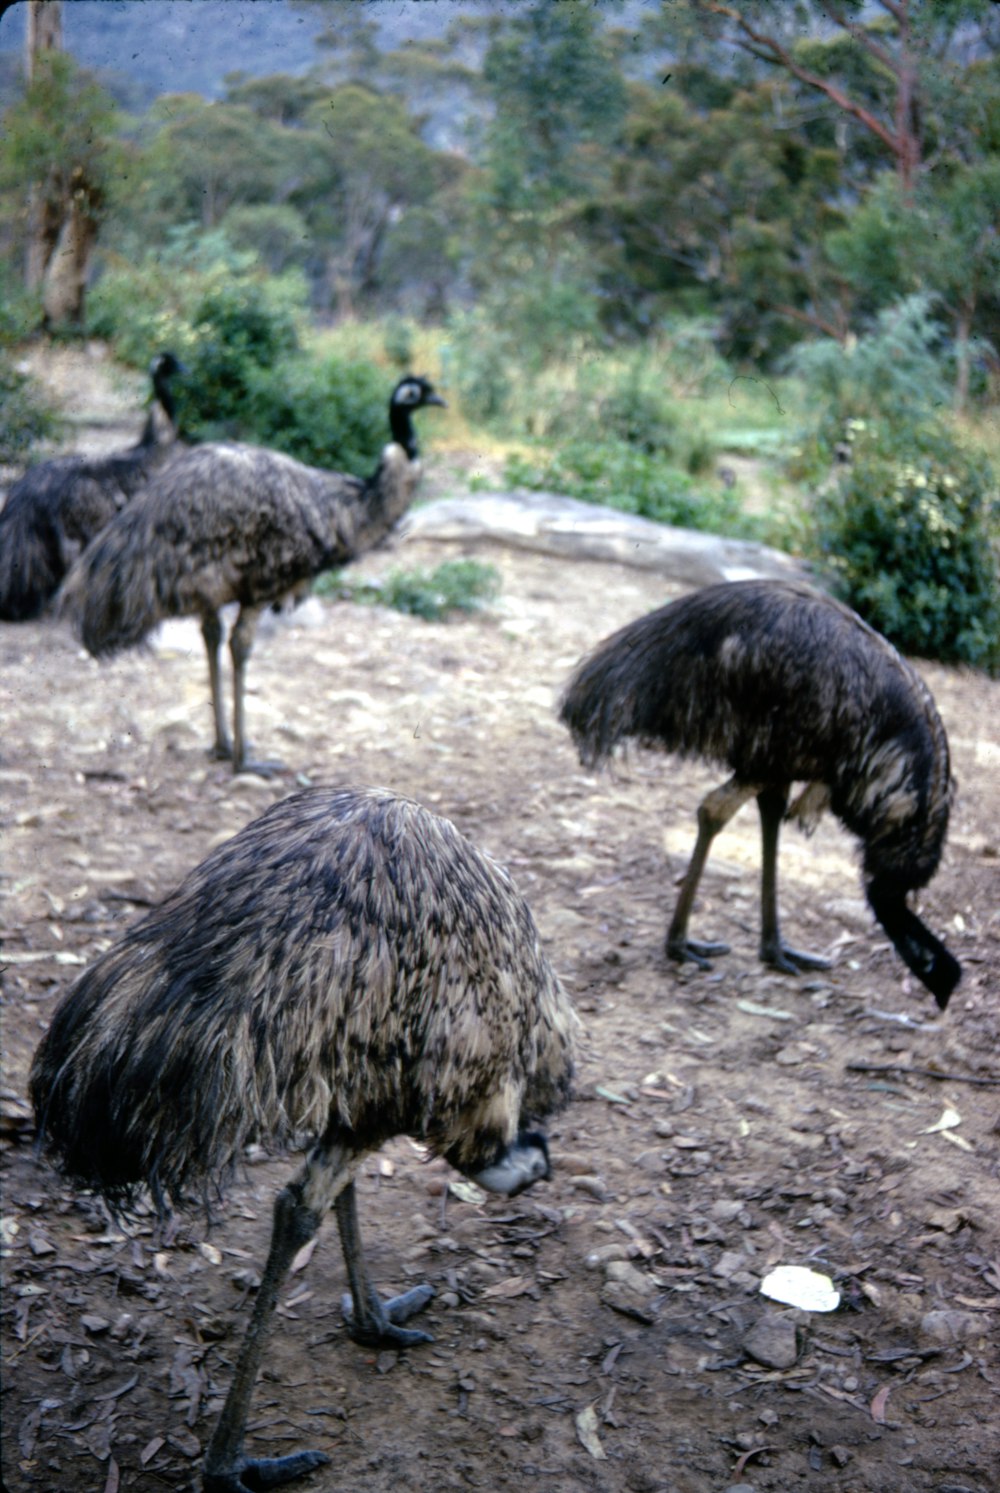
x: 604, y: 1331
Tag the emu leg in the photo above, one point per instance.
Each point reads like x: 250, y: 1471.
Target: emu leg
x: 370, y: 1320
x: 715, y: 810
x: 298, y: 1209
x: 240, y: 646
x: 773, y: 804
x: 211, y: 631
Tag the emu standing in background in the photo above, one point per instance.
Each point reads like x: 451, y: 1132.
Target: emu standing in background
x: 347, y: 965
x: 784, y: 685
x: 236, y: 523
x: 54, y: 511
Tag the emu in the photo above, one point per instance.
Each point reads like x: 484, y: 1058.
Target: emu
x: 237, y: 523
x: 784, y: 685
x: 347, y: 965
x: 57, y: 507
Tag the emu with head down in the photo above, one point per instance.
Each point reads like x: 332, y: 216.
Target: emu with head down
x: 784, y: 685
x: 348, y: 965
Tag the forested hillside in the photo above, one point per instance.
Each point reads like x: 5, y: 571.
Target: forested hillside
x: 599, y: 221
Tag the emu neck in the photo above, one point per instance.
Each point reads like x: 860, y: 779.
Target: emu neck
x: 403, y: 433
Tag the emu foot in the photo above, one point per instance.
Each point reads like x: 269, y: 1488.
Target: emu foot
x: 691, y: 951
x: 221, y: 750
x: 261, y: 769
x: 791, y: 961
x: 256, y: 1474
x: 378, y: 1326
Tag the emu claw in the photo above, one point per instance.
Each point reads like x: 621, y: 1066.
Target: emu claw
x: 691, y: 951
x: 257, y: 1474
x: 381, y: 1328
x: 791, y: 961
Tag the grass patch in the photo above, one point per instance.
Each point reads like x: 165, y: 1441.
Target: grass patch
x: 453, y: 586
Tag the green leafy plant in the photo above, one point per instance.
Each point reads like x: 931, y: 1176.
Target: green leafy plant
x: 621, y: 476
x: 910, y: 537
x: 330, y: 414
x: 453, y: 586
x: 26, y: 417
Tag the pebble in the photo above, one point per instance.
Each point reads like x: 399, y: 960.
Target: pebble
x: 729, y: 1263
x: 627, y: 1275
x: 772, y: 1342
x: 952, y: 1326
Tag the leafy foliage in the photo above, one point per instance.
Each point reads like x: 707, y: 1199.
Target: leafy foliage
x: 453, y: 586
x: 26, y: 416
x: 329, y: 414
x: 910, y: 535
x: 624, y: 477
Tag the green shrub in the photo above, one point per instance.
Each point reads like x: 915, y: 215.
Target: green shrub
x: 237, y: 330
x: 26, y: 417
x: 624, y: 477
x: 909, y: 537
x: 329, y: 414
x: 453, y: 586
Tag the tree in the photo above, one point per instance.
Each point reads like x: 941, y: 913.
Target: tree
x: 61, y: 157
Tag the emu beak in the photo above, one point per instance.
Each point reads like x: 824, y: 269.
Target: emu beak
x: 520, y: 1166
x: 436, y: 399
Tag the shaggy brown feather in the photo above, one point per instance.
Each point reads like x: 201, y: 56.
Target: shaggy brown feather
x: 783, y: 684
x: 347, y: 963
x: 236, y: 523
x: 55, y: 510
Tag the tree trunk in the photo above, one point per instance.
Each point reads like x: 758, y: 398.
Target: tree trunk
x: 64, y: 285
x: 43, y: 34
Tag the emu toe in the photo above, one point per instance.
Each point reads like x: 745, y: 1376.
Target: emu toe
x: 691, y: 951
x: 271, y: 769
x: 255, y: 1474
x: 378, y: 1326
x: 791, y: 961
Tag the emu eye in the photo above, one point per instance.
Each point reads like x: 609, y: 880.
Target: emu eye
x: 409, y: 394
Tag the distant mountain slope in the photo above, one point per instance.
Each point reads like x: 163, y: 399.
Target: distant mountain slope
x: 180, y: 46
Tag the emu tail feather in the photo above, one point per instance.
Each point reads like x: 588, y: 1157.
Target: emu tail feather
x: 916, y: 945
x: 111, y: 596
x: 30, y: 566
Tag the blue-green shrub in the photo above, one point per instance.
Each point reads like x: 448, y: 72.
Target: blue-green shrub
x: 909, y: 533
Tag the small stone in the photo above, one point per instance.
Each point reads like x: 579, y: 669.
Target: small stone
x: 39, y: 1245
x: 625, y: 1274
x: 840, y: 1455
x: 729, y: 1263
x: 725, y: 1210
x: 94, y: 1324
x: 952, y: 1326
x: 768, y: 1418
x: 772, y: 1342
x: 621, y: 1299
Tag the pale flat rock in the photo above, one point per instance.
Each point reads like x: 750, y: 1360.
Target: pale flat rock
x: 586, y: 531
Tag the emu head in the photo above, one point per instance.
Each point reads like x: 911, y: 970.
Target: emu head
x: 517, y: 1166
x: 915, y: 944
x: 411, y: 393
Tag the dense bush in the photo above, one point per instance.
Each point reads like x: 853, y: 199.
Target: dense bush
x: 236, y: 332
x: 330, y: 414
x: 624, y: 477
x: 25, y: 414
x: 909, y: 536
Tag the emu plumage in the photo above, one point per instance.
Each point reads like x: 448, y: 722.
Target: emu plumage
x: 57, y: 507
x: 236, y: 523
x: 784, y: 685
x: 348, y: 966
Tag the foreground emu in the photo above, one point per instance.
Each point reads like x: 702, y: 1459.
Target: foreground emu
x: 347, y: 965
x: 784, y: 685
x: 235, y: 523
